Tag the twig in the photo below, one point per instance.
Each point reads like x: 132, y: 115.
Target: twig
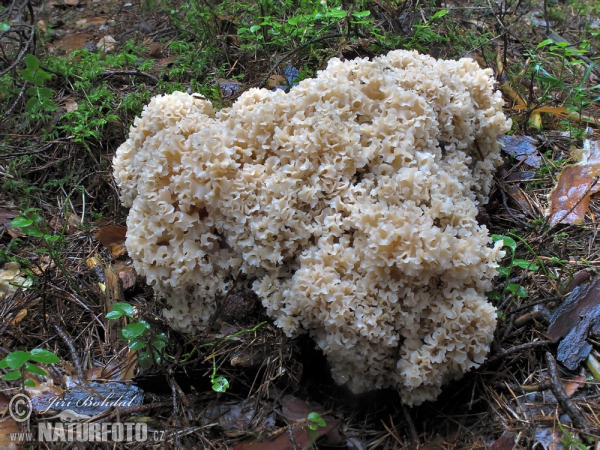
x: 297, y: 49
x: 75, y: 358
x: 135, y: 409
x: 411, y: 425
x: 139, y: 73
x: 537, y: 302
x: 561, y: 395
x: 517, y: 348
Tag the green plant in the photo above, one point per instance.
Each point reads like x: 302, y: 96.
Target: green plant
x: 40, y: 103
x: 20, y: 363
x: 139, y: 336
x: 570, y: 440
x: 513, y: 288
x: 315, y: 421
x: 219, y: 383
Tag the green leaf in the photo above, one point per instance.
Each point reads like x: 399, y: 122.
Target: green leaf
x: 316, y: 419
x: 12, y: 376
x: 439, y: 14
x: 21, y: 222
x: 33, y: 105
x: 254, y: 28
x: 504, y: 271
x: 293, y: 20
x: 519, y: 291
x: 44, y: 356
x: 145, y: 360
x: 524, y: 264
x: 544, y: 43
x: 336, y: 13
x: 508, y: 241
x: 3, y: 364
x: 134, y: 330
x: 4, y: 26
x: 136, y: 345
x: 361, y: 14
x: 124, y: 308
x: 220, y: 384
x: 32, y: 368
x: 159, y: 344
x: 114, y: 315
x: 45, y: 92
x: 33, y: 232
x: 32, y: 62
x: 17, y: 359
x: 494, y: 296
x: 29, y: 383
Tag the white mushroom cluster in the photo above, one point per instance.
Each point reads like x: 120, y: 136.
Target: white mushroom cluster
x: 349, y: 202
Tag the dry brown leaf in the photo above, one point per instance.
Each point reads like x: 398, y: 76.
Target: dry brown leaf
x: 20, y: 316
x: 8, y: 425
x: 569, y: 200
x: 43, y: 264
x: 113, y: 238
x: 165, y: 62
x: 10, y: 281
x: 6, y: 215
x: 71, y: 105
x: 276, y: 80
x: 72, y: 42
x: 107, y: 43
x: 574, y: 385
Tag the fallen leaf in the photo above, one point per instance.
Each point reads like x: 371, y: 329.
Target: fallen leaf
x: 113, y: 238
x: 570, y: 199
x: 8, y: 426
x: 7, y: 216
x: 229, y: 88
x: 41, y: 25
x: 71, y: 105
x: 72, y: 42
x: 166, y: 62
x: 10, y: 281
x: 107, y: 43
x: 574, y: 385
x: 517, y: 195
x: 20, y: 316
x: 519, y: 176
x: 276, y: 80
x: 522, y: 148
x: 43, y: 264
x: 572, y: 321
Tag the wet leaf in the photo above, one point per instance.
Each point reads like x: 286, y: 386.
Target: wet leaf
x: 504, y: 442
x: 522, y: 148
x: 570, y: 198
x: 229, y: 88
x: 572, y: 320
x: 113, y: 238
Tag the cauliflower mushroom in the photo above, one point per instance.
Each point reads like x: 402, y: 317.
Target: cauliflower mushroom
x: 350, y: 201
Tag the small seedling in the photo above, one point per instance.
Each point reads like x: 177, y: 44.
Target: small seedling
x: 315, y: 421
x: 19, y: 363
x: 219, y: 383
x: 139, y: 336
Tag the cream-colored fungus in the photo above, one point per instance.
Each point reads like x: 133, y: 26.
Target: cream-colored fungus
x: 351, y: 203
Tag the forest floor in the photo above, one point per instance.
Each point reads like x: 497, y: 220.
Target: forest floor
x: 77, y: 322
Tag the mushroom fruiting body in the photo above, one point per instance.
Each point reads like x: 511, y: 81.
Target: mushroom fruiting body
x: 349, y: 202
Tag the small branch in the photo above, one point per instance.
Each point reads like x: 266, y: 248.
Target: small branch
x: 561, y: 395
x: 517, y: 348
